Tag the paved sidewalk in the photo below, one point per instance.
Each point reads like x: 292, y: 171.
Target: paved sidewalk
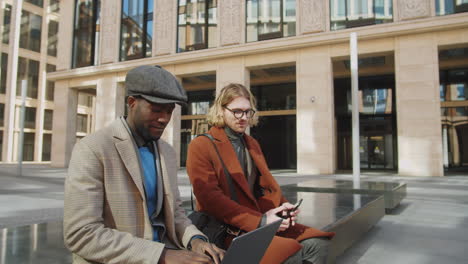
x: 430, y: 226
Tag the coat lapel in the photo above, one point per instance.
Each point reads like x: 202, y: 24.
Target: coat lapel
x: 230, y: 160
x: 169, y: 196
x: 127, y: 151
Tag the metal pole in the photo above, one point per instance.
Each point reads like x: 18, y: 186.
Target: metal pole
x: 355, y: 109
x: 24, y: 88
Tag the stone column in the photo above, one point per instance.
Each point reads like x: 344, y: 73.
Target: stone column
x: 110, y: 31
x: 172, y: 132
x: 412, y: 9
x: 311, y: 16
x: 418, y: 106
x: 231, y: 22
x: 165, y: 27
x: 231, y: 70
x: 315, y: 112
x: 64, y: 123
x: 110, y: 100
x: 65, y: 44
x: 11, y: 78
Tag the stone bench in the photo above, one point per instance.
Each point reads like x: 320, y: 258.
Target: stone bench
x: 393, y: 192
x: 349, y: 215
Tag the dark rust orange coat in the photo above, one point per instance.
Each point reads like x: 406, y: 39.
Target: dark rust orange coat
x: 212, y: 192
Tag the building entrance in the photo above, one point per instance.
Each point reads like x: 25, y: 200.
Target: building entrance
x: 377, y: 126
x: 453, y: 78
x: 275, y: 90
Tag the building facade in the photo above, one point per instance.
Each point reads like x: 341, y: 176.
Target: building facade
x: 29, y: 42
x: 294, y: 56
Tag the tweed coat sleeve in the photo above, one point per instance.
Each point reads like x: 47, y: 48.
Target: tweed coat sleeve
x: 86, y: 232
x: 184, y: 229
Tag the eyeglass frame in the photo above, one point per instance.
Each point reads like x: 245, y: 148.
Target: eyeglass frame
x: 241, y: 111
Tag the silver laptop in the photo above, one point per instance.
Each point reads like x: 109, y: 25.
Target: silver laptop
x: 249, y: 248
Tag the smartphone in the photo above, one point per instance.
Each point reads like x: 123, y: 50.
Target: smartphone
x: 297, y: 205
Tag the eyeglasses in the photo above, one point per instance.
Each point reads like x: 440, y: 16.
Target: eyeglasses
x: 240, y: 113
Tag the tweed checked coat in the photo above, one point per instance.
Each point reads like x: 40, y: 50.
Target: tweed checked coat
x: 212, y: 191
x: 105, y: 214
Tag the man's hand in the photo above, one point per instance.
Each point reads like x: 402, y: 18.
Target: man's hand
x: 272, y: 216
x: 290, y: 213
x: 171, y: 256
x: 201, y: 247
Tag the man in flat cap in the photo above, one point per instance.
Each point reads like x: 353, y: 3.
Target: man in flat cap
x: 122, y: 203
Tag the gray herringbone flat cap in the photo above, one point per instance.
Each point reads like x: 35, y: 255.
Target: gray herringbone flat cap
x: 155, y: 84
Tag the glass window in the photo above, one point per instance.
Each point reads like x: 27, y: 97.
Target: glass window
x: 136, y: 29
x: 85, y: 33
x: 269, y: 19
x: 54, y: 6
x: 30, y: 117
x: 30, y: 35
x: 85, y: 99
x: 50, y: 85
x: 1, y: 143
x: 446, y: 7
x: 39, y: 3
x: 28, y: 147
x: 48, y: 117
x: 52, y: 38
x: 357, y: 13
x: 2, y: 114
x: 28, y: 70
x: 3, y: 73
x: 46, y: 146
x: 443, y: 92
x: 197, y: 25
x: 6, y: 24
x: 82, y: 123
x: 275, y: 96
x: 199, y: 102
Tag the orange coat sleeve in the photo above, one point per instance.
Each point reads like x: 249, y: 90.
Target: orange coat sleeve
x: 205, y: 173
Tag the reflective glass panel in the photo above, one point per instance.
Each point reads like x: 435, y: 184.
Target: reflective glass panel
x: 6, y: 24
x: 48, y: 117
x: 2, y: 114
x: 356, y: 13
x: 28, y: 149
x: 282, y: 131
x: 199, y: 102
x: 197, y: 25
x: 252, y: 20
x: 3, y: 73
x: 85, y: 33
x: 275, y: 96
x: 289, y: 18
x: 28, y: 70
x: 446, y: 7
x: 54, y: 6
x: 136, y: 29
x: 30, y: 35
x: 39, y: 3
x: 29, y: 117
x: 46, y: 146
x: 50, y: 85
x: 52, y: 40
x: 269, y: 19
x: 82, y: 123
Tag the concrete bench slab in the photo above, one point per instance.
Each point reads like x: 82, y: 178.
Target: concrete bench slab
x: 393, y: 192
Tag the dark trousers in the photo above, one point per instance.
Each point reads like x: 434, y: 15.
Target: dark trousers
x: 314, y: 250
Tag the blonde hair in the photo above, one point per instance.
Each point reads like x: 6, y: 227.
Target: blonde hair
x: 225, y: 96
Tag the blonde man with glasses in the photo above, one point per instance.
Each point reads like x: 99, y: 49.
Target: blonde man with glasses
x: 259, y: 198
